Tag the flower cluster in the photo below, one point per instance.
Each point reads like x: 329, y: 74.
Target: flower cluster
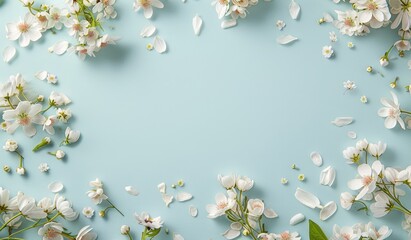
x: 393, y: 113
x: 22, y: 213
x: 383, y: 186
x: 97, y: 196
x: 245, y: 214
x: 152, y: 226
x: 83, y: 20
x: 366, y: 14
x: 22, y: 109
x: 233, y: 9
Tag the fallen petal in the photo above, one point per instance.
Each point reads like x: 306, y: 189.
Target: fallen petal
x: 193, y: 211
x: 177, y: 237
x: 131, y: 190
x: 328, y: 18
x: 167, y: 199
x: 197, y: 23
x: 316, y: 158
x: 9, y: 53
x: 328, y: 210
x: 269, y: 213
x: 327, y: 176
x: 296, y: 219
x: 56, y: 187
x: 236, y: 226
x: 162, y: 187
x: 228, y: 23
x: 60, y: 47
x: 342, y: 121
x: 148, y: 31
x: 286, y: 39
x: 183, y: 196
x: 231, y: 234
x: 159, y: 45
x: 307, y: 198
x: 294, y: 9
x: 41, y: 75
x: 352, y: 134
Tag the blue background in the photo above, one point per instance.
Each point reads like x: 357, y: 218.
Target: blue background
x: 228, y: 101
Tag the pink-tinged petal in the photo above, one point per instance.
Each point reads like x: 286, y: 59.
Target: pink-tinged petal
x: 371, y: 187
x: 148, y: 12
x: 388, y: 103
x: 35, y: 109
x: 9, y: 115
x: 38, y: 119
x: 24, y: 40
x: 12, y: 127
x: 220, y: 198
x: 29, y: 130
x: 390, y: 122
x: 364, y: 170
x: 395, y: 98
x: 157, y: 4
x: 383, y: 112
x: 405, y: 21
x: 365, y: 16
x: 362, y: 193
x: 378, y: 15
x: 34, y: 35
x: 401, y: 122
x: 355, y: 184
x: 396, y: 22
x: 12, y: 32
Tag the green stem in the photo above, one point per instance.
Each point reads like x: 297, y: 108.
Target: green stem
x: 9, y: 102
x: 406, y: 112
x: 50, y: 106
x: 20, y: 159
x: 10, y: 220
x: 129, y: 236
x: 36, y: 224
x: 112, y: 205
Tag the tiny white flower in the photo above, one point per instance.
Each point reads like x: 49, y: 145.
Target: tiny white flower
x: 60, y: 154
x: 352, y: 155
x: 364, y: 99
x: 384, y: 61
x: 328, y: 51
x: 333, y: 37
x: 287, y: 236
x: 86, y: 233
x: 244, y: 183
x: 227, y: 182
x: 349, y: 85
x: 381, y: 206
x: 376, y: 150
x: 51, y: 78
x: 223, y: 203
x: 350, y: 45
x: 391, y: 111
x: 147, y: 6
x: 20, y: 171
x: 51, y: 231
x: 125, y: 229
x: 280, y: 24
x: 48, y: 125
x: 88, y: 212
x: 366, y: 182
x: 72, y: 136
x: 255, y: 207
x: 10, y: 145
x: 362, y: 145
x: 145, y: 220
x: 63, y: 115
x: 58, y: 99
x: 44, y: 167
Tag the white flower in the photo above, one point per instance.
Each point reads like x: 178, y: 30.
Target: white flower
x: 47, y: 205
x: 333, y: 37
x: 367, y: 179
x: 352, y: 155
x: 237, y: 11
x: 5, y: 203
x: 86, y: 234
x: 96, y: 183
x: 362, y: 145
x: 221, y: 7
x: 227, y: 182
x: 24, y: 115
x: 28, y: 209
x: 44, y: 167
x: 392, y: 112
x: 376, y: 150
x: 64, y: 208
x: 346, y: 200
x: 51, y: 231
x: 255, y: 207
x: 345, y: 233
x: 373, y: 12
x: 63, y: 115
x: 223, y: 203
x: 328, y: 51
x: 48, y: 125
x: 97, y: 195
x: 10, y: 145
x: 280, y: 24
x: 15, y: 223
x: 106, y: 40
x: 57, y: 17
x: 347, y: 22
x: 384, y: 61
x: 350, y: 45
x: 72, y: 136
x: 373, y: 234
x: 287, y: 236
x: 147, y: 6
x: 125, y: 229
x: 244, y: 183
x: 60, y: 154
x: 20, y: 171
x: 266, y: 236
x: 25, y: 30
x: 150, y: 223
x: 88, y: 212
x: 381, y: 206
x: 402, y: 45
x: 403, y: 11
x: 58, y: 99
x: 51, y: 78
x: 349, y: 85
x: 76, y: 27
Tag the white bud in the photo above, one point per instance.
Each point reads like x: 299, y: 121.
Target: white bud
x: 60, y: 154
x: 125, y: 229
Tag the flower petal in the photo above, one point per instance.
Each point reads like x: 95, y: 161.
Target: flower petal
x: 131, y: 190
x: 56, y: 187
x: 197, y: 23
x: 9, y: 53
x: 228, y: 23
x: 60, y: 47
x: 307, y: 198
x: 231, y: 234
x: 183, y: 196
x: 286, y: 39
x: 177, y: 237
x: 352, y: 134
x: 167, y: 199
x: 160, y: 45
x: 193, y: 211
x: 328, y: 210
x: 269, y: 213
x: 294, y: 9
x: 316, y: 158
x: 148, y: 31
x: 296, y: 219
x: 162, y: 187
x: 342, y: 121
x: 41, y: 75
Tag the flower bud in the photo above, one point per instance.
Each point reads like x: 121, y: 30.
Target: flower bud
x: 6, y: 168
x: 45, y: 141
x: 384, y: 61
x: 60, y: 154
x: 40, y: 98
x: 369, y: 69
x: 102, y: 213
x: 125, y: 230
x: 20, y: 171
x: 246, y: 232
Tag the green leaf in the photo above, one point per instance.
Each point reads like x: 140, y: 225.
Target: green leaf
x: 316, y: 233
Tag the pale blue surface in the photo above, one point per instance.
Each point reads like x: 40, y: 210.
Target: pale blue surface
x: 228, y: 101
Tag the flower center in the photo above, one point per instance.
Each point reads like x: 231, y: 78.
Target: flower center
x: 56, y: 16
x: 285, y: 236
x: 349, y: 22
x: 24, y: 119
x: 23, y: 27
x: 372, y: 6
x: 42, y: 18
x: 367, y: 180
x: 77, y: 27
x: 145, y: 3
x: 222, y: 205
x: 51, y: 233
x: 346, y: 236
x: 392, y: 112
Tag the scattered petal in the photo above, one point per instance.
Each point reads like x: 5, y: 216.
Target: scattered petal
x: 328, y: 18
x: 294, y: 9
x: 352, y: 134
x: 286, y: 39
x: 167, y: 199
x: 60, y: 47
x: 177, y: 237
x: 193, y: 211
x: 55, y: 187
x: 327, y: 176
x: 296, y: 219
x: 162, y: 187
x: 160, y: 45
x: 41, y: 75
x: 131, y: 190
x: 342, y: 121
x: 269, y: 213
x: 231, y: 234
x: 197, y: 23
x: 9, y: 53
x: 148, y: 31
x: 236, y: 226
x: 183, y: 196
x: 307, y: 198
x: 316, y: 158
x: 228, y: 23
x: 328, y: 210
